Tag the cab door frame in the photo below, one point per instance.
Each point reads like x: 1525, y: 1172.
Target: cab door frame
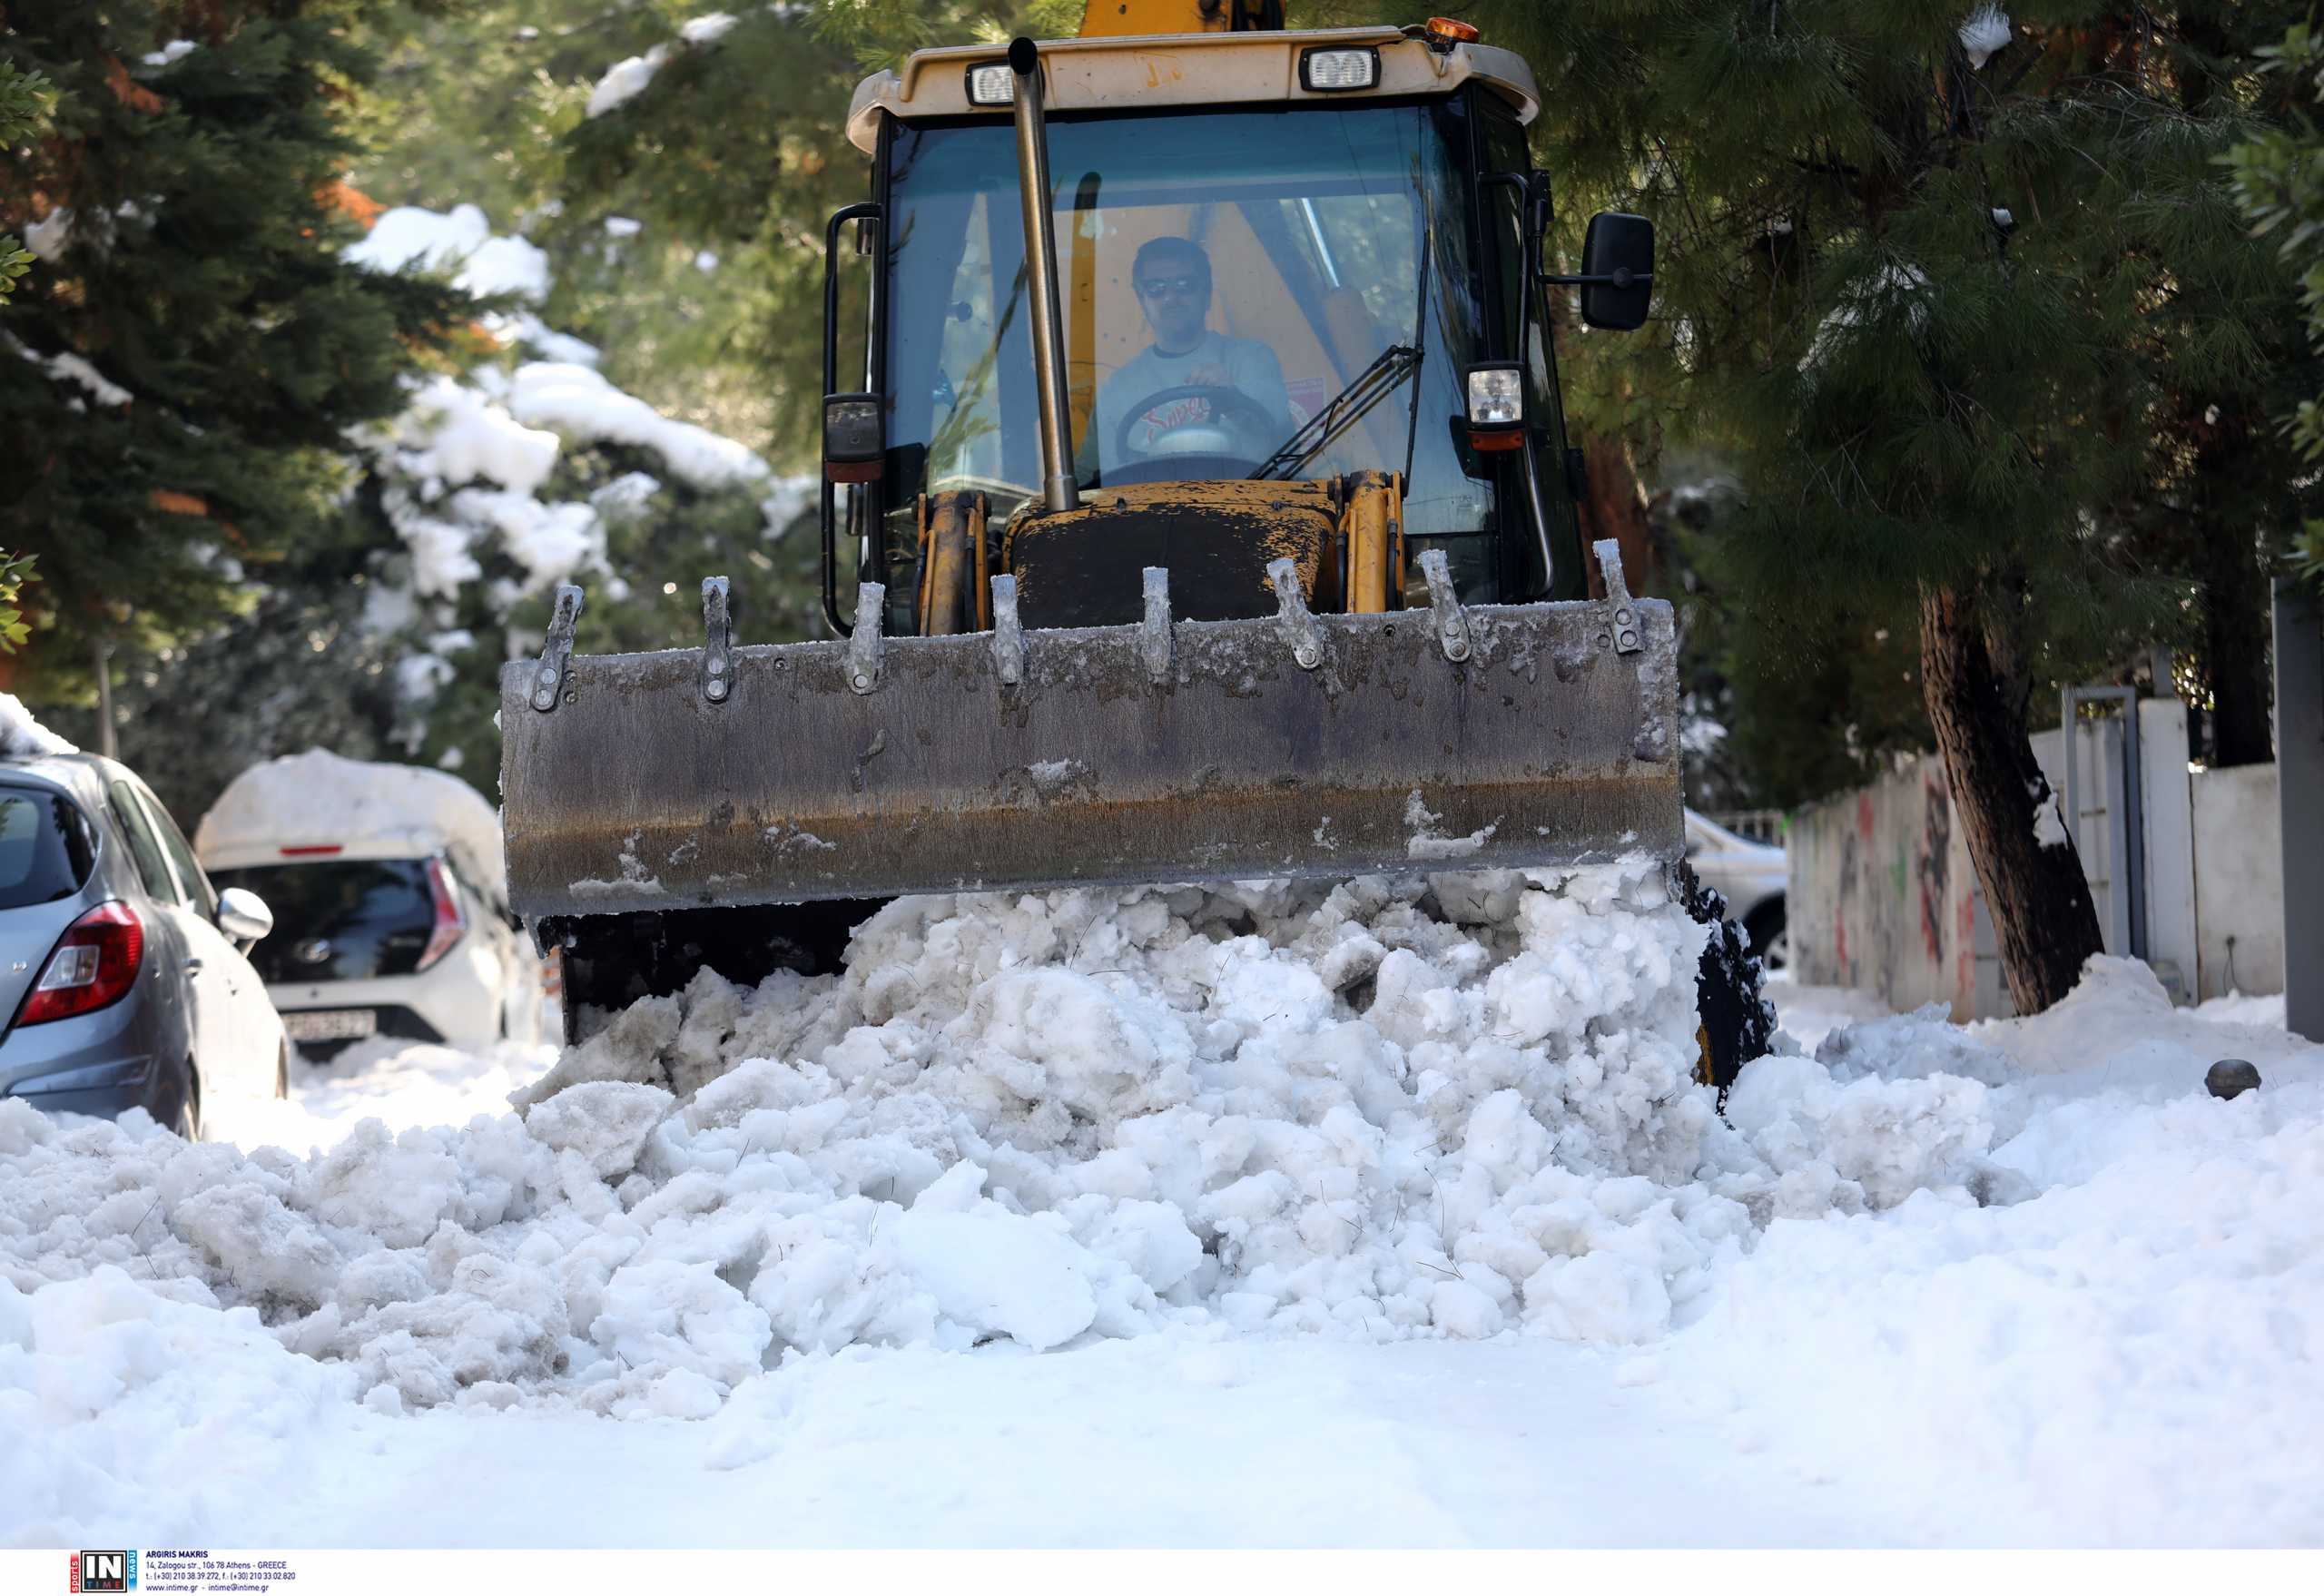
x: 1518, y: 315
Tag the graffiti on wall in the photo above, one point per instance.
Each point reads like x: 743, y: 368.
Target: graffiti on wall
x: 1882, y: 896
x: 1936, y: 844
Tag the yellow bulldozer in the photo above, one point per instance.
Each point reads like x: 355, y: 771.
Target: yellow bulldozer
x: 1212, y: 515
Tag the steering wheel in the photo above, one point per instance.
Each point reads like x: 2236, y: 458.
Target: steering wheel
x: 1221, y: 400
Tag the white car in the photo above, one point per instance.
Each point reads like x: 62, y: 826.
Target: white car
x: 389, y: 901
x: 1752, y: 878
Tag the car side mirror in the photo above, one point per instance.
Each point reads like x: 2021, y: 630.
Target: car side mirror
x: 1617, y: 270
x: 243, y: 915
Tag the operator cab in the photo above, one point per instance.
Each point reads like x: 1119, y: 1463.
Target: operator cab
x: 1271, y: 304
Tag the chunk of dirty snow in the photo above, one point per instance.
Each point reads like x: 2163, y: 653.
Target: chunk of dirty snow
x: 1904, y: 1047
x: 668, y: 1314
x: 1000, y: 1272
x: 605, y: 1121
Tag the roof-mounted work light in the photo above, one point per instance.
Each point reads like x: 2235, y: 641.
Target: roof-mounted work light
x: 992, y: 85
x: 1331, y: 72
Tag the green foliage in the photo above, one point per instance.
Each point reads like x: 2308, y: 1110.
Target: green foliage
x: 1986, y: 327
x: 197, y: 348
x: 727, y: 161
x: 25, y: 99
x: 298, y: 670
x: 2279, y: 179
x: 15, y: 569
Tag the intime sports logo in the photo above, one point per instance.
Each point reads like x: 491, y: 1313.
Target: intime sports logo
x: 104, y: 1570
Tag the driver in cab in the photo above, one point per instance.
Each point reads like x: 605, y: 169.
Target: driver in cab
x: 1171, y: 277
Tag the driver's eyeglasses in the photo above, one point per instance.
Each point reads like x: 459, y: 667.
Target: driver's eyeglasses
x: 1154, y: 288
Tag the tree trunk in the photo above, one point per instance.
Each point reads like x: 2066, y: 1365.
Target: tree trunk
x: 2235, y: 648
x: 2235, y: 599
x: 1616, y: 508
x: 107, y: 744
x: 2034, y: 889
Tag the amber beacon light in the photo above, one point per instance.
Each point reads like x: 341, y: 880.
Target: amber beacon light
x: 1446, y: 30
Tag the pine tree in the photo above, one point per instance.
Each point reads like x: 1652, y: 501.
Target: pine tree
x: 1952, y: 294
x: 24, y: 111
x: 2279, y: 178
x: 193, y: 347
x: 2223, y: 490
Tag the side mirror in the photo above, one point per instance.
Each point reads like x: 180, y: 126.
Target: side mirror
x: 856, y: 436
x: 243, y: 915
x: 1617, y: 270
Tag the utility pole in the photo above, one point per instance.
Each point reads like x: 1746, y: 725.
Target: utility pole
x: 2299, y: 789
x: 107, y: 743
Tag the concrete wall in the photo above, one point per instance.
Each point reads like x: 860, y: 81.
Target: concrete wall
x: 2239, y: 880
x: 1884, y: 897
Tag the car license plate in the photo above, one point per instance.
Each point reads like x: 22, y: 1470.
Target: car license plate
x: 331, y: 1025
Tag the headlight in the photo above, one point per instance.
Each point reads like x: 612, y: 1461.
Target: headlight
x: 1496, y: 406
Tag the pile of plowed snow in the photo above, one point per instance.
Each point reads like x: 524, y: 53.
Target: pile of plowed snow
x: 1446, y: 1105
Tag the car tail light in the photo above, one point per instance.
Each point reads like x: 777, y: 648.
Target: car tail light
x: 94, y: 963
x: 451, y: 919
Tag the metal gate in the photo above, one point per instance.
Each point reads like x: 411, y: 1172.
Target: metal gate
x: 2106, y: 810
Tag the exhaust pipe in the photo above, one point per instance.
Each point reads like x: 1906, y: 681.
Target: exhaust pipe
x: 1059, y: 490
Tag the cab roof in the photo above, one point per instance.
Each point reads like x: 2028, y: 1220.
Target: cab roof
x: 1174, y: 70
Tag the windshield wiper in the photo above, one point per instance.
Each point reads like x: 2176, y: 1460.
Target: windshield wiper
x: 1372, y: 384
x: 1348, y: 407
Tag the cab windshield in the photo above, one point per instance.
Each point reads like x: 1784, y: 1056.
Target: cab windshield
x: 1223, y: 277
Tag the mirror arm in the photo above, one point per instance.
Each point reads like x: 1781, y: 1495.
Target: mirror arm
x: 1623, y: 279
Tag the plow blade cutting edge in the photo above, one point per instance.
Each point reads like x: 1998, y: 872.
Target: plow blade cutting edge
x: 1298, y: 745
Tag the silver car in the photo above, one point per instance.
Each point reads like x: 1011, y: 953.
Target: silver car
x: 121, y: 975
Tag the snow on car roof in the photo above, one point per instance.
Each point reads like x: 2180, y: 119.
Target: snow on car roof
x: 319, y: 800
x: 23, y: 737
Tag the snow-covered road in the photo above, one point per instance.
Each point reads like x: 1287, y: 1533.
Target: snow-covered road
x: 2021, y: 1282
x: 1162, y: 1440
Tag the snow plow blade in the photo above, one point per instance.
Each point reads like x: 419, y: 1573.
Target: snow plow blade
x: 1300, y: 744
